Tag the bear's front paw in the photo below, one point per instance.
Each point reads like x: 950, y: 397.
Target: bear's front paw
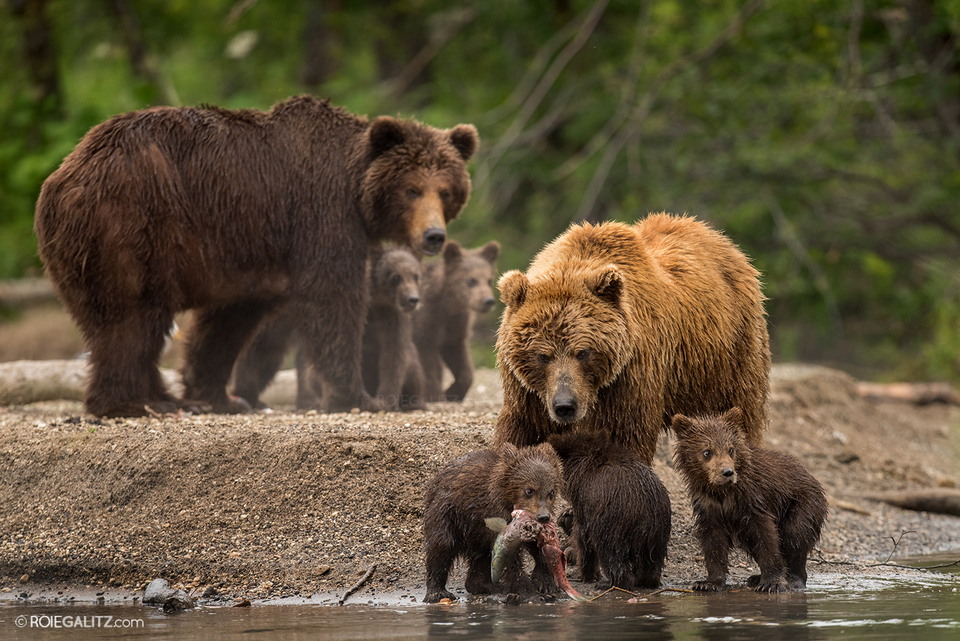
x: 778, y: 585
x: 707, y: 586
x: 438, y: 595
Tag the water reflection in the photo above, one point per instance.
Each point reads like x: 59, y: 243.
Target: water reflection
x: 881, y: 607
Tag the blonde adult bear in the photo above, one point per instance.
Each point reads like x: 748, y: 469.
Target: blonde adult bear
x: 615, y: 328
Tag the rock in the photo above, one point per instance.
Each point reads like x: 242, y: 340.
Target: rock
x: 159, y: 592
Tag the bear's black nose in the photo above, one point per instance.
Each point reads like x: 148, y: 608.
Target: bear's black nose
x: 488, y: 303
x: 543, y: 518
x: 727, y: 472
x: 411, y: 302
x: 565, y: 408
x: 433, y: 240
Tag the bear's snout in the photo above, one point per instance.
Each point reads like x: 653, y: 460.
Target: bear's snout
x: 433, y: 240
x: 411, y: 302
x: 565, y: 407
x: 727, y: 472
x: 543, y: 518
x: 487, y: 303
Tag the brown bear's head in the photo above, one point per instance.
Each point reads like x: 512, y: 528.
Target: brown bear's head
x: 528, y: 478
x: 564, y: 336
x: 416, y: 181
x: 711, y: 451
x: 395, y: 279
x: 468, y: 276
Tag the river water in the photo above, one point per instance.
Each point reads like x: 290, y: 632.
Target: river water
x: 833, y: 607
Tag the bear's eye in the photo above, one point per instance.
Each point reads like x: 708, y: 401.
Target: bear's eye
x: 472, y: 282
x: 416, y: 278
x: 543, y: 359
x: 413, y: 193
x: 730, y: 451
x: 583, y: 354
x: 707, y: 454
x: 490, y: 282
x: 528, y: 493
x: 395, y: 279
x: 444, y: 195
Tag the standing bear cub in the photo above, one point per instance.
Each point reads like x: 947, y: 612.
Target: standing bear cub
x: 454, y: 292
x: 236, y: 214
x: 760, y: 500
x: 621, y: 511
x: 615, y: 328
x: 487, y: 484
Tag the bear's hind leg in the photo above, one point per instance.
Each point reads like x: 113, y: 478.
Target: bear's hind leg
x: 124, y: 354
x: 216, y: 338
x: 260, y: 361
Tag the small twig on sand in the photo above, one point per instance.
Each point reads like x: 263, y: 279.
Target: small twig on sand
x: 655, y: 592
x: 356, y: 586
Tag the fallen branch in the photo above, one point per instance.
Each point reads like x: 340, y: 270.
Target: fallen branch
x: 356, y: 586
x: 916, y: 393
x: 940, y: 500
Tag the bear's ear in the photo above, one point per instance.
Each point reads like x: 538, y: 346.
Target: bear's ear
x: 385, y: 133
x: 490, y: 252
x: 513, y: 288
x: 681, y: 424
x: 608, y: 284
x: 452, y: 253
x: 734, y: 416
x: 464, y: 139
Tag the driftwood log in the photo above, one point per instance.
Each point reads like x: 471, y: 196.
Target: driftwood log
x: 23, y: 382
x: 916, y: 393
x: 941, y: 500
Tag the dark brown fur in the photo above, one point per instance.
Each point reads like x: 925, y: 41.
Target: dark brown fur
x: 455, y: 291
x: 484, y: 484
x: 760, y: 500
x: 390, y: 365
x: 235, y: 214
x: 617, y: 327
x: 621, y: 511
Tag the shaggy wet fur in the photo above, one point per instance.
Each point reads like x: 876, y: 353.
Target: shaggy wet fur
x: 237, y: 214
x: 762, y: 501
x: 621, y: 511
x: 483, y: 484
x: 614, y: 328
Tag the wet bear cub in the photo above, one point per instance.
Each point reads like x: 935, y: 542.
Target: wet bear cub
x: 482, y: 484
x: 760, y: 500
x: 621, y: 511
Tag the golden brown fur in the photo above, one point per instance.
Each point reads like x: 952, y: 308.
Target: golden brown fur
x: 616, y: 327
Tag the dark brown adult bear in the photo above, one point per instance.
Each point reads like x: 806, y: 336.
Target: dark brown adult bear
x: 454, y: 292
x: 486, y: 484
x: 614, y: 328
x: 390, y: 364
x: 235, y: 214
x: 621, y: 511
x: 760, y: 500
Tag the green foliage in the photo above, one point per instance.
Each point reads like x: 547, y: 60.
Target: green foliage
x: 821, y: 135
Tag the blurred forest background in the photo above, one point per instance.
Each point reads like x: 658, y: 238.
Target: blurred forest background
x: 822, y: 135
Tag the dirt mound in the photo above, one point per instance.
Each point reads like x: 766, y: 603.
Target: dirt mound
x: 284, y: 504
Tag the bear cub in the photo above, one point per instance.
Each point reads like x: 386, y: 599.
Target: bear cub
x: 621, y: 511
x: 761, y: 500
x: 483, y: 484
x: 455, y: 290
